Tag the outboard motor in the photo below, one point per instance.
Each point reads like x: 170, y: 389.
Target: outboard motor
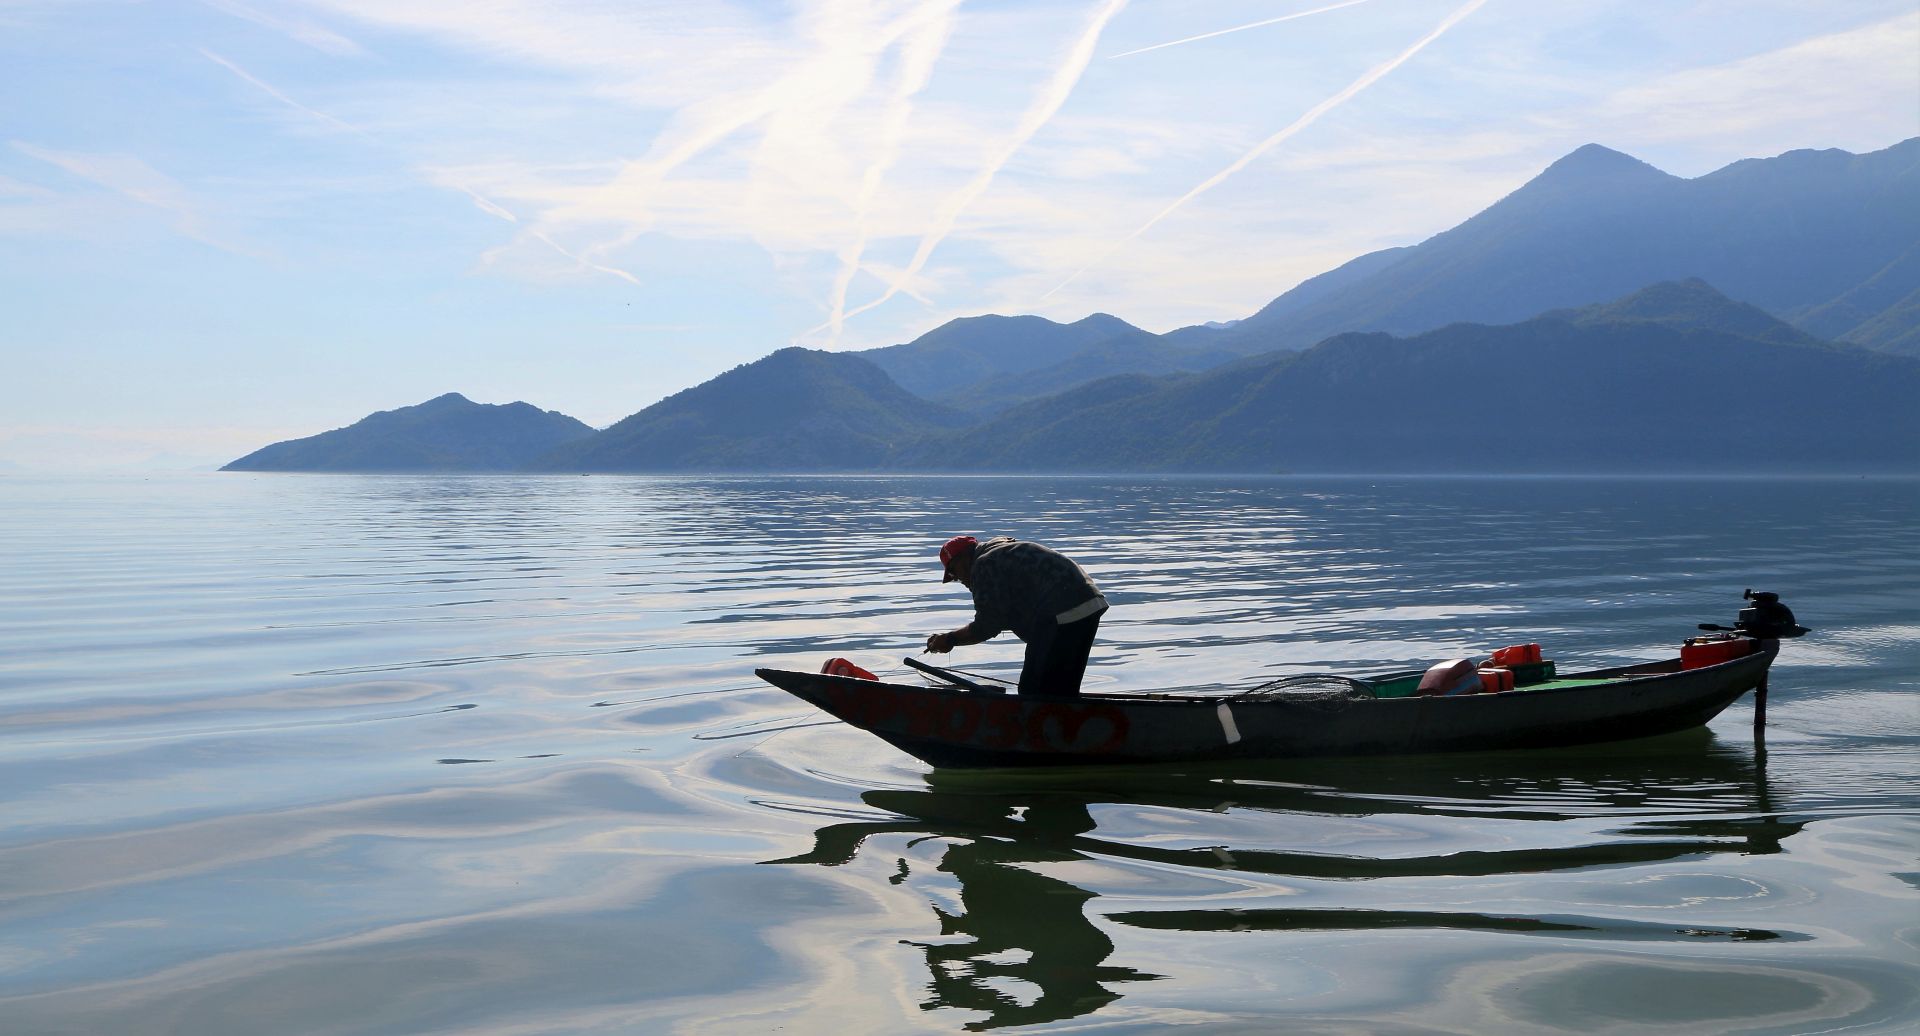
x: 1765, y: 619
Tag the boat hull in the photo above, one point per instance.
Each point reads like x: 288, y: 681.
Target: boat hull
x: 951, y: 727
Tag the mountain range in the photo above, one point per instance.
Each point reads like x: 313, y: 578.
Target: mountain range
x: 1826, y: 240
x: 1578, y: 324
x: 1657, y: 382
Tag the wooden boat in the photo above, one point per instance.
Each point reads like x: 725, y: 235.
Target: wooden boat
x: 968, y: 725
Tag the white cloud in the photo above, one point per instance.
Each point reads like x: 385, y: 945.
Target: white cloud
x: 916, y: 63
x: 11, y: 188
x: 577, y: 262
x: 319, y: 37
x: 652, y: 55
x: 789, y: 97
x: 1051, y: 96
x: 1311, y: 116
x: 794, y: 173
x: 809, y: 142
x: 1865, y: 79
x: 135, y: 180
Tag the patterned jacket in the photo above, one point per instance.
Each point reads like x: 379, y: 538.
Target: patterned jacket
x: 1028, y: 589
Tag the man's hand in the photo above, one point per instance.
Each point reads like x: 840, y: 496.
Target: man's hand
x: 940, y: 643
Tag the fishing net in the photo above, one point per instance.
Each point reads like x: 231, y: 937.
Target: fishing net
x: 1319, y: 689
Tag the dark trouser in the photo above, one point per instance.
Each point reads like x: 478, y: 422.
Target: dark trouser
x: 1057, y: 659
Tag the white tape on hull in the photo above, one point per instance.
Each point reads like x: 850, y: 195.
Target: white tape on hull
x: 1227, y: 726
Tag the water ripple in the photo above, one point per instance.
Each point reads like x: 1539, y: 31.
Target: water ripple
x: 378, y: 754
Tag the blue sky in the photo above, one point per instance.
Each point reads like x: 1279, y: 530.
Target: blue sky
x: 228, y: 222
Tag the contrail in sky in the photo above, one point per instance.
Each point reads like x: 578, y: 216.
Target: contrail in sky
x: 1238, y: 28
x: 705, y: 126
x: 1051, y: 97
x: 277, y: 95
x: 585, y: 264
x: 137, y: 181
x: 1372, y: 76
x: 486, y: 205
x: 917, y: 59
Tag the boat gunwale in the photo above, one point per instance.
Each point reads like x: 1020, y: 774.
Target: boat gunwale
x: 1642, y: 674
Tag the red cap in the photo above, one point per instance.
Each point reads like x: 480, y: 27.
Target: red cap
x: 952, y: 549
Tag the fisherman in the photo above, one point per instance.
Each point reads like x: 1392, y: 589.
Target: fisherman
x: 1039, y: 594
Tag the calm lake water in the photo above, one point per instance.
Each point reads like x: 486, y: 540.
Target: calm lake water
x: 288, y: 754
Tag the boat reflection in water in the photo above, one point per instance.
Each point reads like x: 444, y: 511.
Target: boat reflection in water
x: 1679, y: 798
x: 1005, y: 907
